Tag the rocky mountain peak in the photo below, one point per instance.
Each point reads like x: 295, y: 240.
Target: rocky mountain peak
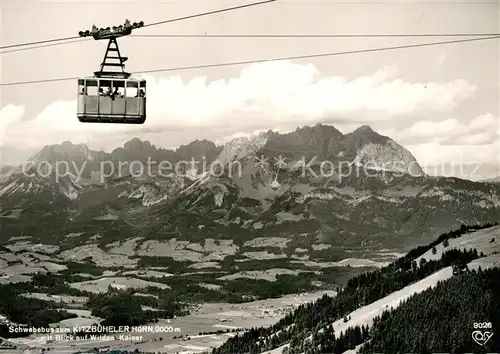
x: 362, y: 147
x: 364, y: 129
x: 241, y: 147
x: 375, y: 151
x: 199, y: 149
x: 319, y: 133
x: 66, y: 151
x: 365, y: 134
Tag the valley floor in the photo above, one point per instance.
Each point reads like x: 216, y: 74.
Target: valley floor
x: 207, y: 318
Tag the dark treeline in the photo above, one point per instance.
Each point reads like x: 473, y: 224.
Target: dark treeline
x: 29, y: 311
x: 54, y: 284
x: 116, y: 307
x: 360, y: 290
x: 405, y: 261
x: 325, y: 341
x: 123, y: 308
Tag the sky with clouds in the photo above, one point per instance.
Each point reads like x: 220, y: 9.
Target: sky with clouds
x: 441, y: 102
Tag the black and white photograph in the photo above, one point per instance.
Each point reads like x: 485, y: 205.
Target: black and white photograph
x: 249, y: 177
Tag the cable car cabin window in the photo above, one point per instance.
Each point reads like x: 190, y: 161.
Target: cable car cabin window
x: 111, y: 88
x: 142, y: 88
x: 82, y: 94
x: 105, y: 88
x: 88, y: 101
x: 90, y: 87
x: 120, y: 91
x: 81, y: 87
x: 118, y: 87
x: 132, y: 88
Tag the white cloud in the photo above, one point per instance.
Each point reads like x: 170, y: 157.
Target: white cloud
x: 263, y: 96
x: 451, y: 147
x: 484, y: 138
x: 486, y: 121
x: 435, y: 154
x: 470, y: 162
x: 481, y: 130
x: 9, y: 115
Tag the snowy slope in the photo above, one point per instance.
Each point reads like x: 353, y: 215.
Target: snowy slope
x: 366, y: 314
x: 480, y: 240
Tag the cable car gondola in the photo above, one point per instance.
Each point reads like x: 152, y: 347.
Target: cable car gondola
x: 111, y: 96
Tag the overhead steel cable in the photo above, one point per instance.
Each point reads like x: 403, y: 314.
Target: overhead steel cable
x: 146, y: 25
x: 38, y: 42
x: 45, y: 45
x: 209, y: 13
x: 244, y: 62
x: 417, y: 35
x: 385, y: 35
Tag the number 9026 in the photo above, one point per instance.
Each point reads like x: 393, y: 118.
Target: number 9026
x: 482, y: 325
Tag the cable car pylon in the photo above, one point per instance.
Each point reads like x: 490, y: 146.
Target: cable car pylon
x: 111, y: 34
x: 113, y: 47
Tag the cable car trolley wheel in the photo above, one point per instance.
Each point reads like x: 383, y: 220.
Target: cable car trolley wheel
x: 111, y: 96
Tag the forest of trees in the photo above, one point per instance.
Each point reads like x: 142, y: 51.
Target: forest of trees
x: 360, y: 290
x: 123, y: 308
x: 441, y: 319
x: 30, y: 311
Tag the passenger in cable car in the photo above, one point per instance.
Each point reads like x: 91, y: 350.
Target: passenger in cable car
x: 116, y: 93
x: 109, y: 92
x: 140, y: 93
x: 101, y: 91
x: 83, y: 92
